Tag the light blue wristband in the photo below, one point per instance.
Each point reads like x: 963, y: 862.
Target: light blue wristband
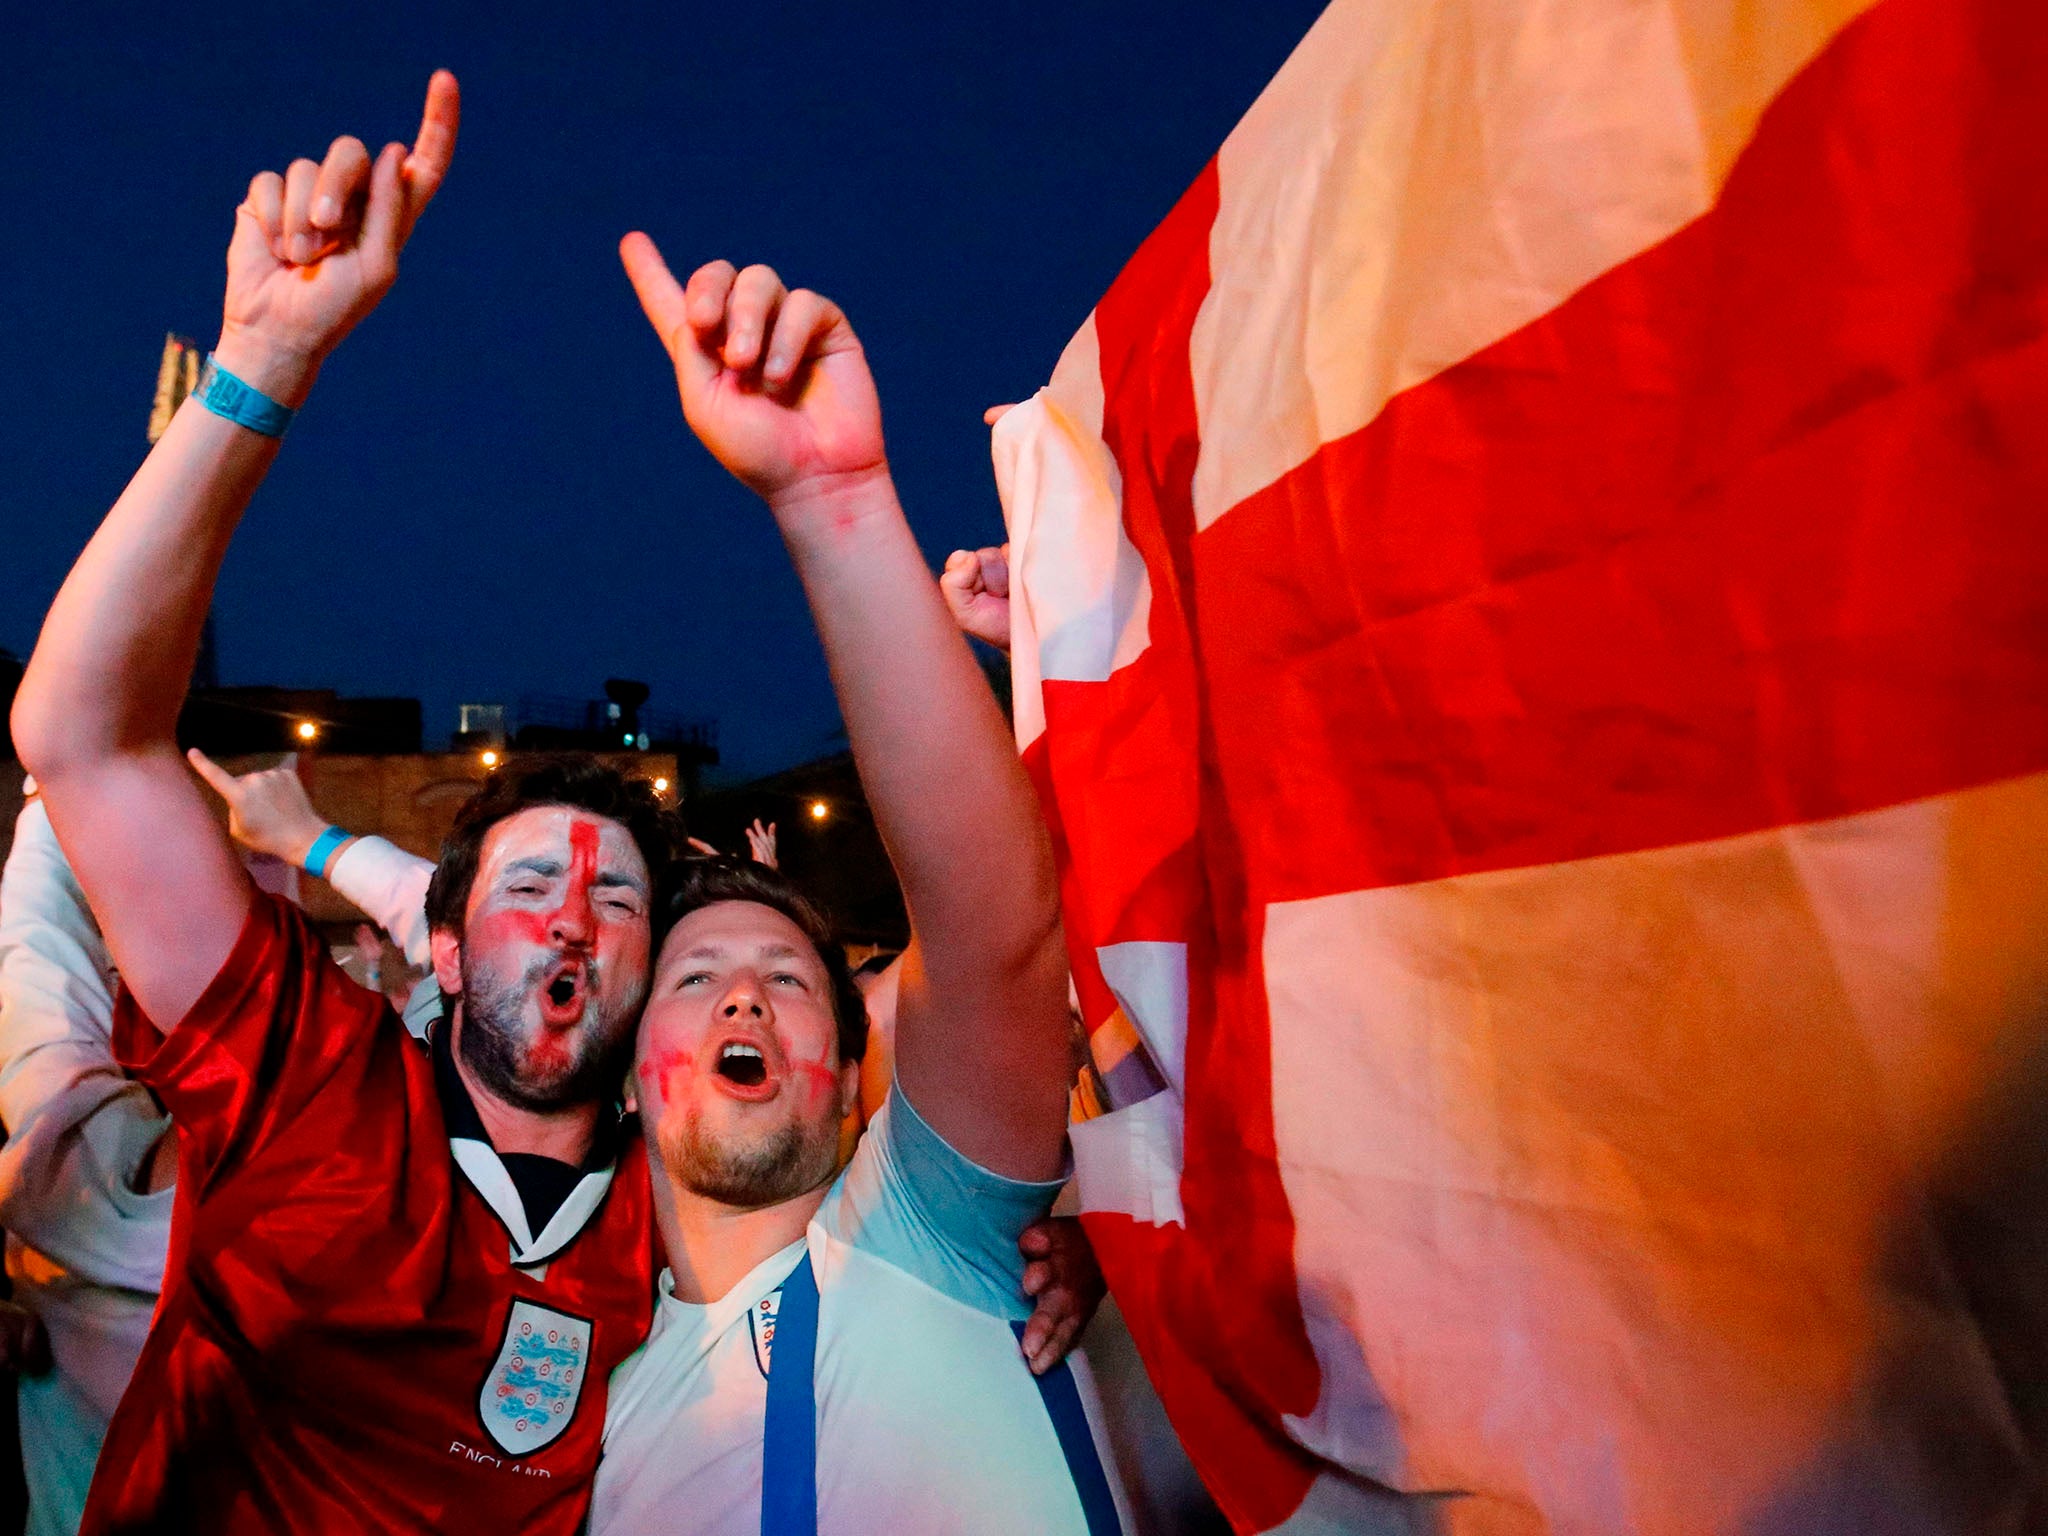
x: 244, y: 404
x: 325, y: 846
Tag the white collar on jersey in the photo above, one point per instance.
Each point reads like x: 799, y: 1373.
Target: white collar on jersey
x: 479, y: 1164
x: 471, y: 1146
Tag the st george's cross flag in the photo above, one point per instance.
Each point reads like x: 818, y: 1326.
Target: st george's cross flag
x: 1531, y: 626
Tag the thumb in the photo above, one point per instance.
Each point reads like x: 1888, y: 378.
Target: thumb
x: 223, y: 782
x: 251, y: 246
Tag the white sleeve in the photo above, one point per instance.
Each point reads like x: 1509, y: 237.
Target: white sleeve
x: 78, y: 1127
x: 391, y: 885
x: 56, y: 979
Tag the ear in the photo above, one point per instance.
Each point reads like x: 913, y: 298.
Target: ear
x: 446, y: 949
x: 849, y: 1087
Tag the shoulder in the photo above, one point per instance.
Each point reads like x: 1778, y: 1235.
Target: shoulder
x: 912, y: 1201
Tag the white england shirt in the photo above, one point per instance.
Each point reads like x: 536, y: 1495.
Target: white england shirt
x: 928, y: 1419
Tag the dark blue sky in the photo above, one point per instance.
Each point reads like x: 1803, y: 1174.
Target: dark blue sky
x: 492, y: 491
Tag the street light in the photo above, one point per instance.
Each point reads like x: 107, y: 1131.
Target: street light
x: 818, y: 810
x: 661, y: 786
x: 308, y: 730
x: 488, y: 758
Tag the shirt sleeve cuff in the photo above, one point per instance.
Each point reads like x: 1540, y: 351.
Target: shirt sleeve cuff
x: 930, y: 1162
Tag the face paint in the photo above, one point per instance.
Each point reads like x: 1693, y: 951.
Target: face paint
x: 818, y: 1081
x: 553, y: 956
x: 667, y: 1075
x: 738, y: 1049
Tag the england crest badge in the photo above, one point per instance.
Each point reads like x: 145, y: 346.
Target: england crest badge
x: 761, y: 1324
x: 531, y: 1390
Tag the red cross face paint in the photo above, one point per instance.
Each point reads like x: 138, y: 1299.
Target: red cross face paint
x: 554, y: 956
x: 741, y: 1089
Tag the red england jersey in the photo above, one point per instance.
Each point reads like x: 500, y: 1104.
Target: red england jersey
x: 357, y: 1331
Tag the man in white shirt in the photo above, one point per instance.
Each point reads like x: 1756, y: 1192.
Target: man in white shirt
x: 840, y: 1353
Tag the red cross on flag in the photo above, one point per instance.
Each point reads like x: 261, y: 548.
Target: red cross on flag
x: 1532, y: 629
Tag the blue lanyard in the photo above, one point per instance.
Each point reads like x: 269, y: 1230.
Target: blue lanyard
x: 789, y: 1433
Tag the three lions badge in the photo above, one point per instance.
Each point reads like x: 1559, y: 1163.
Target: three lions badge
x: 761, y: 1325
x: 530, y: 1392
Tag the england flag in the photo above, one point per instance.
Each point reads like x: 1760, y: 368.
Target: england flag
x: 1531, y: 626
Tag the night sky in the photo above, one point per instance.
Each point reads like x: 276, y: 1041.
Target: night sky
x: 492, y: 491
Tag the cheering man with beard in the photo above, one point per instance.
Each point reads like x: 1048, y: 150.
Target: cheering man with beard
x: 834, y: 1350
x: 398, y: 1276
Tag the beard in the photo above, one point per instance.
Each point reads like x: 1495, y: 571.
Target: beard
x: 791, y: 1160
x: 494, y: 1039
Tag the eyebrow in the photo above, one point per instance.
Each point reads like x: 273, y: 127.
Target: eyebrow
x: 540, y: 864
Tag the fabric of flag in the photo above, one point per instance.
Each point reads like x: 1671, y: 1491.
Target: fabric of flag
x: 1531, y: 626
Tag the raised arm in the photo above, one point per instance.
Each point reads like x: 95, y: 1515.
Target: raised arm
x: 313, y: 251
x: 776, y: 386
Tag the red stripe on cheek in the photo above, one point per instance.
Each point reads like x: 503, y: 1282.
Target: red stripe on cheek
x: 819, y: 1081
x: 508, y: 924
x: 668, y: 1073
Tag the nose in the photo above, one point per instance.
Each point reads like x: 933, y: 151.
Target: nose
x: 574, y: 921
x: 746, y: 1000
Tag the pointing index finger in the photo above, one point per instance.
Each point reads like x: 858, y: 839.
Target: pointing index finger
x: 434, y: 146
x: 219, y: 778
x: 660, y: 295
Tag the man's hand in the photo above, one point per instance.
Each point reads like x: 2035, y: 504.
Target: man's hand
x: 976, y: 585
x: 1066, y: 1282
x: 774, y: 383
x: 267, y: 811
x: 316, y: 248
x: 24, y: 1347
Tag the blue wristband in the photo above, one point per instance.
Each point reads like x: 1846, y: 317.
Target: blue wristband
x: 325, y: 846
x: 244, y: 404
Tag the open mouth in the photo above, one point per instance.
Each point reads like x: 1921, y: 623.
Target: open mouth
x: 561, y: 1000
x: 741, y: 1063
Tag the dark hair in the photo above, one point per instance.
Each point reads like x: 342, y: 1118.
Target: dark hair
x: 696, y: 883
x: 570, y: 778
x: 876, y: 963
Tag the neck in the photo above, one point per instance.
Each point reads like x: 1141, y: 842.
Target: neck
x: 564, y: 1134
x: 712, y: 1246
